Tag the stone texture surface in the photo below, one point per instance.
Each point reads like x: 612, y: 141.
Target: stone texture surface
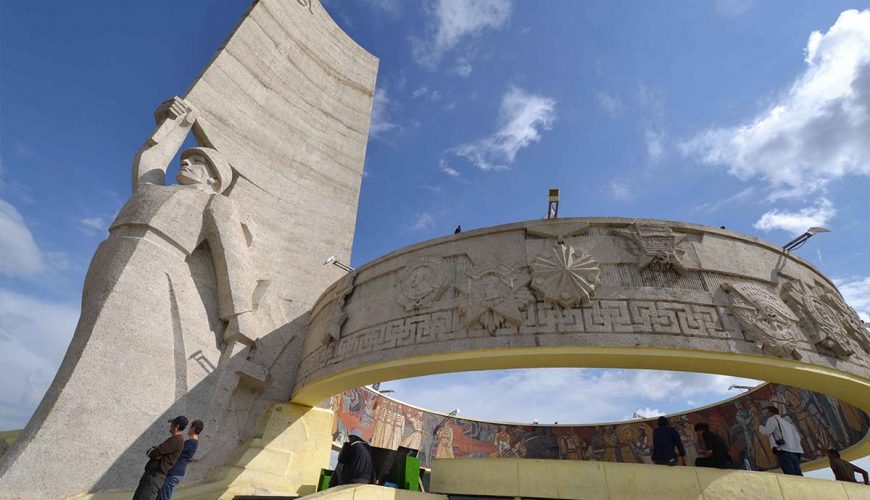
x: 286, y: 102
x: 657, y: 284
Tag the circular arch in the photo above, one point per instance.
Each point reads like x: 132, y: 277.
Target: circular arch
x: 602, y: 293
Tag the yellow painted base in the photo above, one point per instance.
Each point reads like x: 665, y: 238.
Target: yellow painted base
x: 291, y: 444
x: 371, y: 492
x: 566, y: 479
x: 847, y: 387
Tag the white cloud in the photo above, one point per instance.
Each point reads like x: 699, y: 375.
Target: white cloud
x: 797, y: 222
x: 34, y: 335
x: 463, y: 67
x: 423, y: 221
x: 645, y: 413
x: 447, y: 169
x: 93, y: 225
x: 424, y: 91
x: 611, y: 105
x: 620, y: 191
x: 655, y: 144
x: 20, y: 254
x: 856, y: 293
x: 566, y: 395
x: 817, y: 131
x: 458, y: 21
x: 522, y: 118
x: 740, y: 196
x: 652, y: 108
x: 731, y: 8
x: 381, y: 120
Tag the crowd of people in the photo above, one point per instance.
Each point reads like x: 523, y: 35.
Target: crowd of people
x: 167, y: 462
x: 784, y: 439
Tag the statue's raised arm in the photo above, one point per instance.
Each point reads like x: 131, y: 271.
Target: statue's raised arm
x: 174, y: 117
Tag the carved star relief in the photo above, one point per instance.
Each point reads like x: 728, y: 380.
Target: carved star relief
x: 565, y: 277
x: 494, y: 296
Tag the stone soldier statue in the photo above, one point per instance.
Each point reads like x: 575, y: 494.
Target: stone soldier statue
x: 178, y: 218
x: 166, y: 300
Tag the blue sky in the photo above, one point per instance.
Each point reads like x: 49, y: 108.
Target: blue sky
x: 748, y: 114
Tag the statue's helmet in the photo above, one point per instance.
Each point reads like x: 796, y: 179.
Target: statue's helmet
x: 220, y: 167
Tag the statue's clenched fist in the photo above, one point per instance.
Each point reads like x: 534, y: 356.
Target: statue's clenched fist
x: 175, y: 109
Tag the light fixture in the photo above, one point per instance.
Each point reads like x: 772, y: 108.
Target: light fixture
x: 800, y: 240
x: 332, y: 259
x: 553, y: 206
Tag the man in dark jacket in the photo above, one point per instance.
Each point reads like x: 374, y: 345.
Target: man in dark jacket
x: 161, y: 458
x: 356, y: 464
x: 715, y: 453
x: 665, y: 440
x: 173, y: 477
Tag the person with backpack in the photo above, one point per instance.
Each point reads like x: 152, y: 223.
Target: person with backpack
x: 785, y: 441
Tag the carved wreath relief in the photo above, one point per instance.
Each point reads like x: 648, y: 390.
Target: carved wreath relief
x: 656, y: 245
x: 493, y: 296
x: 423, y: 282
x: 826, y: 326
x: 764, y: 319
x: 565, y: 276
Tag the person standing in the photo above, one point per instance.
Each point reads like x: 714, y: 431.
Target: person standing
x: 715, y: 452
x: 161, y: 458
x: 843, y: 470
x: 784, y: 440
x: 173, y: 477
x: 665, y: 440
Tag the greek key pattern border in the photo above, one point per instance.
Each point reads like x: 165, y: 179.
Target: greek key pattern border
x: 600, y: 317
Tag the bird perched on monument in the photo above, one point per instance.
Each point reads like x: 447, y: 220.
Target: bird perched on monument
x: 457, y: 230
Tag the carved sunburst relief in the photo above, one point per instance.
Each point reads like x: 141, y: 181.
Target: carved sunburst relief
x: 565, y: 276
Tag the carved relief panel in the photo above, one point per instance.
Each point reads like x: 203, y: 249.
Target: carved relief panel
x: 656, y: 246
x: 423, y: 282
x: 825, y: 326
x: 493, y: 296
x: 764, y: 318
x: 565, y: 277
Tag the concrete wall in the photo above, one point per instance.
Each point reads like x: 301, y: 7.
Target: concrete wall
x: 608, y: 481
x: 286, y: 100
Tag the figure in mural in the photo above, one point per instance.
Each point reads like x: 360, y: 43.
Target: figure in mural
x: 690, y: 441
x: 640, y: 444
x: 443, y: 445
x: 414, y: 440
x: 502, y: 442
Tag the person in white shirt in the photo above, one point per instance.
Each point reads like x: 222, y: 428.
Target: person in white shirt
x: 785, y: 441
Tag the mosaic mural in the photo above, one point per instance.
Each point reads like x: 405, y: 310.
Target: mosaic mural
x: 822, y: 421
